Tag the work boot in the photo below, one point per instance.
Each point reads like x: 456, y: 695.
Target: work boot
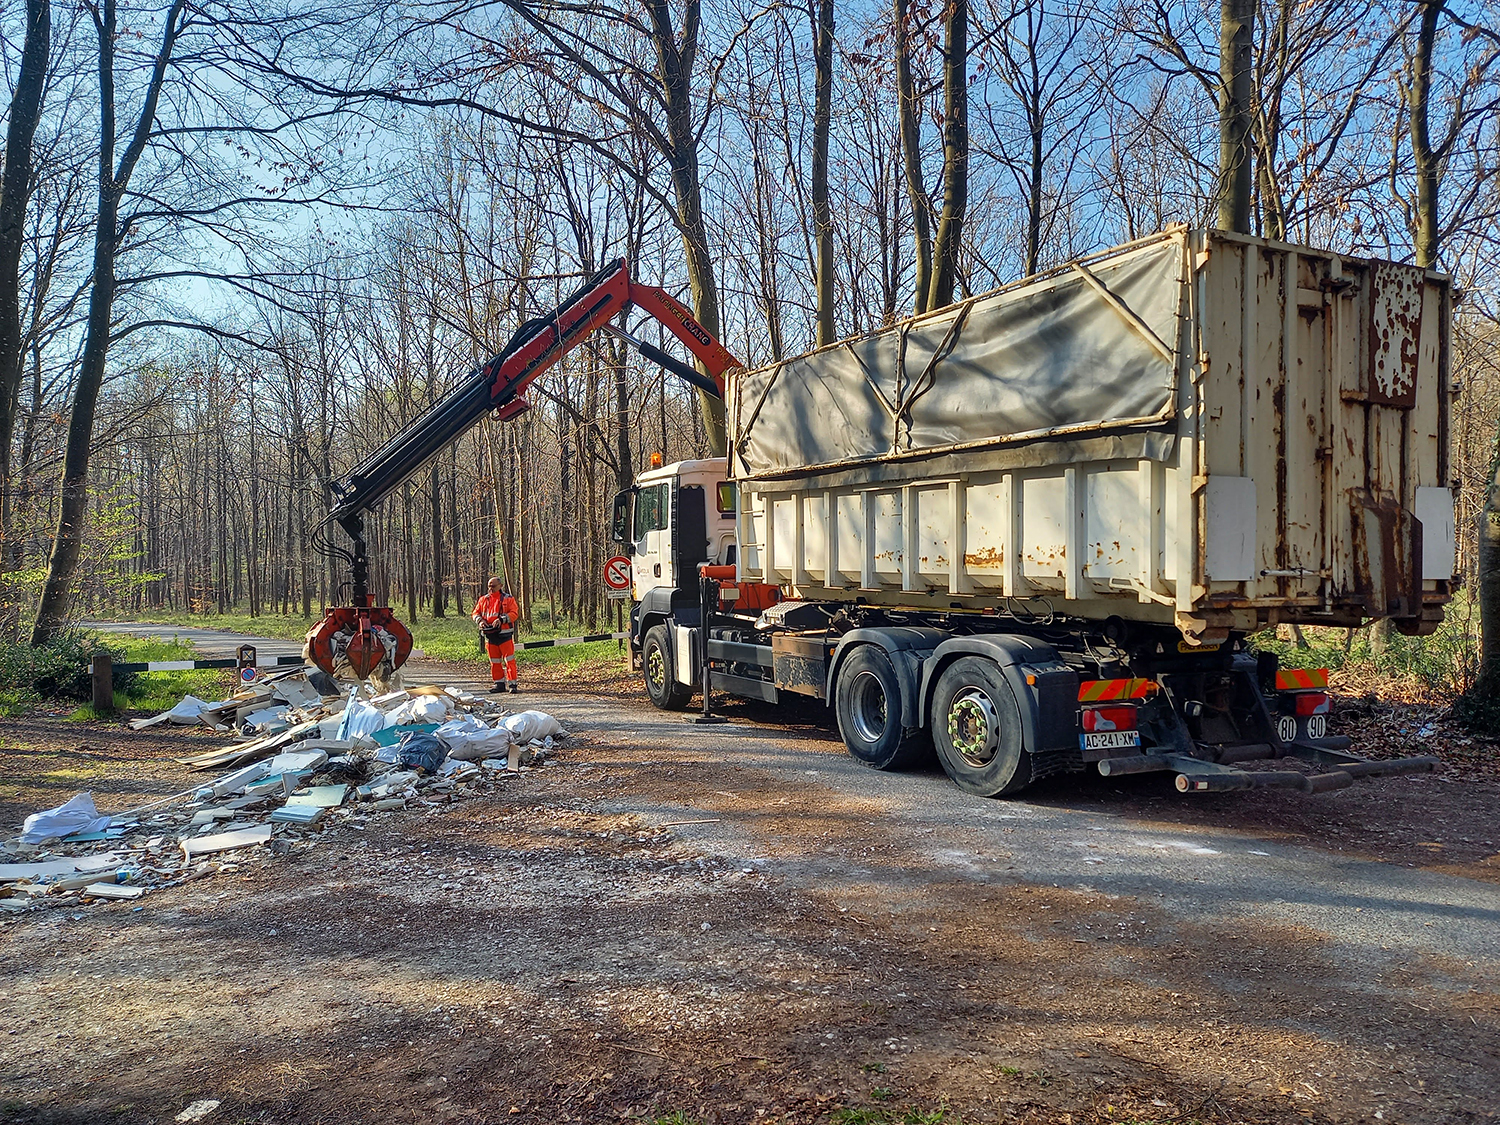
x: 498, y: 688
x: 514, y: 686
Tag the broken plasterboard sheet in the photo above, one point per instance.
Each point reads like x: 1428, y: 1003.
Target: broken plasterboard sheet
x: 226, y: 841
x: 298, y: 814
x: 297, y: 692
x: 12, y: 872
x: 113, y: 890
x: 320, y: 796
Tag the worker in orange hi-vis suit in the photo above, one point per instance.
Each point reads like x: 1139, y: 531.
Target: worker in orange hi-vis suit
x: 496, y: 614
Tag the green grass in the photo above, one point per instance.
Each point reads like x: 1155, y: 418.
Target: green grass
x: 449, y: 638
x: 861, y: 1115
x: 160, y: 691
x: 1444, y: 664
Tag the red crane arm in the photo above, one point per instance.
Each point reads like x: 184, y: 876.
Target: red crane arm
x: 548, y: 338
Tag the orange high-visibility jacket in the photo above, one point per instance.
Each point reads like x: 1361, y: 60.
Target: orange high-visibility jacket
x: 490, y: 608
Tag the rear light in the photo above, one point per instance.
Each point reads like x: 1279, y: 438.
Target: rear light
x: 1310, y: 703
x: 1108, y: 718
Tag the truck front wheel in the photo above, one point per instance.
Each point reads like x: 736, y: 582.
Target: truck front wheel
x: 660, y: 671
x: 976, y: 727
x: 867, y: 700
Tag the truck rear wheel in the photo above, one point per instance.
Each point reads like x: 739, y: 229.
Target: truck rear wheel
x: 661, y: 672
x: 867, y: 700
x: 976, y: 727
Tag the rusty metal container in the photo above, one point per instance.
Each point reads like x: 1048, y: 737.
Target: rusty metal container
x: 1198, y: 428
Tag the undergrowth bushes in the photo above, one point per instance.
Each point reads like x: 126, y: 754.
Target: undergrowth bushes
x: 59, y: 670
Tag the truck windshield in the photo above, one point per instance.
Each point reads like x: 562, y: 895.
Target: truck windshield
x: 650, y: 510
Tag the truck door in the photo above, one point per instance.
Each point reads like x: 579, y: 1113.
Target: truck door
x: 651, y: 563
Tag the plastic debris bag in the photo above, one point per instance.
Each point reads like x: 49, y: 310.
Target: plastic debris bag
x: 189, y: 710
x: 468, y: 739
x: 423, y: 709
x: 419, y: 751
x: 529, y: 725
x: 76, y: 815
x: 360, y: 720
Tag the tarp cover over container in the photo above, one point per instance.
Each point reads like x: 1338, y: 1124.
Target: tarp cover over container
x: 1090, y: 347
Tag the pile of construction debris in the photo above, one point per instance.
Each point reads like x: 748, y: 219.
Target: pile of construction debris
x: 299, y: 761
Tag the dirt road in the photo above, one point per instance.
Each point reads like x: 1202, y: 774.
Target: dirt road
x: 738, y: 923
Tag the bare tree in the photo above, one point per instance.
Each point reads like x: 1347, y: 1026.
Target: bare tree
x: 822, y: 28
x: 1236, y: 41
x: 949, y: 239
x: 15, y: 191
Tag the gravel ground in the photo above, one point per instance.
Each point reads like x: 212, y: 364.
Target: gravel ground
x: 738, y: 923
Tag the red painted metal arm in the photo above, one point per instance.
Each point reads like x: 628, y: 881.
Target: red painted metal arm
x: 591, y: 308
x: 714, y: 356
x: 556, y: 334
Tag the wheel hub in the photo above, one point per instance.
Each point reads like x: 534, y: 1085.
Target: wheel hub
x: 973, y: 727
x: 869, y: 711
x: 656, y: 668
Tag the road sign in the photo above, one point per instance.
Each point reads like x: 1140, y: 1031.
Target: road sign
x: 617, y: 573
x: 244, y: 657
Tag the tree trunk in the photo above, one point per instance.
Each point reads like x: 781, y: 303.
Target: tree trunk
x: 822, y: 122
x: 675, y: 67
x: 67, y: 541
x: 1487, y: 687
x: 1236, y: 35
x: 437, y: 543
x: 1425, y: 163
x: 15, y: 190
x: 911, y: 153
x: 955, y: 154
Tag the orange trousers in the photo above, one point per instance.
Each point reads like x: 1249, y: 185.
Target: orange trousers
x: 502, y: 661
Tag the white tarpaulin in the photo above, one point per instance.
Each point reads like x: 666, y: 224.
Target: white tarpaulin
x: 76, y: 815
x: 1090, y: 347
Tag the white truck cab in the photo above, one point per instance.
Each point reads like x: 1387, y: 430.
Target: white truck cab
x: 674, y: 518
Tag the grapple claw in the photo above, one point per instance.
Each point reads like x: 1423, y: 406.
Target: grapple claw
x: 353, y: 641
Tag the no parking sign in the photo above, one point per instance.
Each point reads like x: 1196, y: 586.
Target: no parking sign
x: 617, y: 576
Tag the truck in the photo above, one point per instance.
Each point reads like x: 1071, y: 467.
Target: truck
x: 1032, y: 532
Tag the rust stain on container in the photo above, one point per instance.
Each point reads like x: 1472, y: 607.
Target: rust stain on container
x: 984, y: 558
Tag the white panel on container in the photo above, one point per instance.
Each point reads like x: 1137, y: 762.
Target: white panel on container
x: 1169, y: 523
x: 1044, y: 539
x: 815, y: 536
x: 1229, y: 531
x: 986, y: 535
x: 1114, y: 523
x: 851, y: 535
x: 1435, y: 510
x: 934, y: 531
x: 886, y: 508
x: 783, y: 534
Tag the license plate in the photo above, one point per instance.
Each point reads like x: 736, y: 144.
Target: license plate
x: 1110, y: 739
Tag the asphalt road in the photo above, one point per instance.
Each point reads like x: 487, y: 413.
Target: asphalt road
x: 1371, y: 913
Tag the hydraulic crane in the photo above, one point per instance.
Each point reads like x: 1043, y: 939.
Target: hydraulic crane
x: 359, y: 637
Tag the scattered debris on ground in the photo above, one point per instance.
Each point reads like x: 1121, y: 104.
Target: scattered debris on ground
x: 299, y: 761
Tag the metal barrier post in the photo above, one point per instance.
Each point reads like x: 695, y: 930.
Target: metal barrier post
x: 101, y: 672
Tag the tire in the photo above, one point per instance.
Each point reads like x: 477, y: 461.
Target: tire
x: 660, y: 671
x: 867, y: 700
x: 976, y: 728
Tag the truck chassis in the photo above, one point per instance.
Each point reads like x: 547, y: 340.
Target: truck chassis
x: 1006, y: 700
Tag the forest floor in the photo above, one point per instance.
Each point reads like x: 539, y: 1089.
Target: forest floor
x: 669, y: 923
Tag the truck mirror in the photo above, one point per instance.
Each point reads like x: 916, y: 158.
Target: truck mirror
x: 619, y: 531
